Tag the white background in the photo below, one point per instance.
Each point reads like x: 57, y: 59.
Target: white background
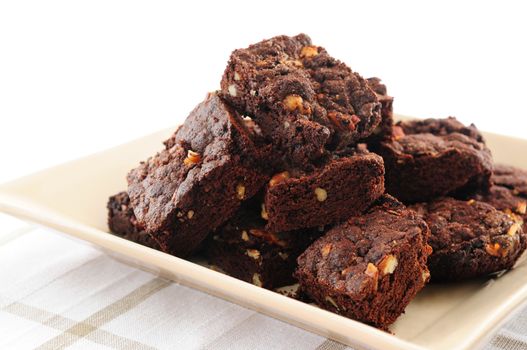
x: 78, y: 77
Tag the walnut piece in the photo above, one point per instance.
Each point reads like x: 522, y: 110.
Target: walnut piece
x: 245, y: 236
x: 268, y: 236
x: 494, y: 249
x: 190, y: 214
x: 264, y: 213
x: 192, y: 158
x: 309, y: 51
x: 277, y: 178
x: 425, y: 275
x: 325, y: 250
x: 232, y: 90
x: 253, y: 253
x: 321, y: 194
x: 372, y: 271
x: 513, y: 229
x: 292, y: 102
x: 388, y: 264
x: 257, y: 280
x: 343, y: 121
x: 295, y: 102
x: 240, y: 191
x: 522, y: 208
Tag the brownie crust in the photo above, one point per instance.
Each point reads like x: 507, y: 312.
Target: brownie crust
x: 209, y: 166
x: 470, y: 238
x: 369, y: 267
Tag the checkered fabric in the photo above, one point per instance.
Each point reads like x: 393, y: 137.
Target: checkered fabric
x: 58, y: 293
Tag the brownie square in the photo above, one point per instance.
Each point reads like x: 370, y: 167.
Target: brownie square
x: 371, y: 266
x: 245, y: 249
x: 306, y: 101
x: 121, y: 221
x: 343, y: 186
x: 470, y: 238
x: 213, y: 162
x: 511, y: 177
x: 508, y: 192
x: 438, y: 161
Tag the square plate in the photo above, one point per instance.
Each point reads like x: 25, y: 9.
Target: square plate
x: 72, y: 199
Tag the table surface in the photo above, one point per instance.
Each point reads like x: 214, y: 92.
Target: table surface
x: 60, y: 293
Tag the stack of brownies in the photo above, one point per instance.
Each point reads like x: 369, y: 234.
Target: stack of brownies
x: 294, y: 172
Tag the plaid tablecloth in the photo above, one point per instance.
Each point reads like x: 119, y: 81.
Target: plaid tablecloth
x: 56, y: 293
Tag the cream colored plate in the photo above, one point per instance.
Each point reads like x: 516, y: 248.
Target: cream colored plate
x: 72, y: 198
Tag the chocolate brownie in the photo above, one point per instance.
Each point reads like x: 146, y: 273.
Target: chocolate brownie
x: 512, y: 178
x: 369, y: 267
x: 244, y: 249
x: 384, y: 129
x: 440, y: 127
x: 422, y: 166
x: 304, y: 100
x: 470, y: 238
x: 343, y: 186
x: 121, y: 221
x: 509, y: 192
x: 212, y: 163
